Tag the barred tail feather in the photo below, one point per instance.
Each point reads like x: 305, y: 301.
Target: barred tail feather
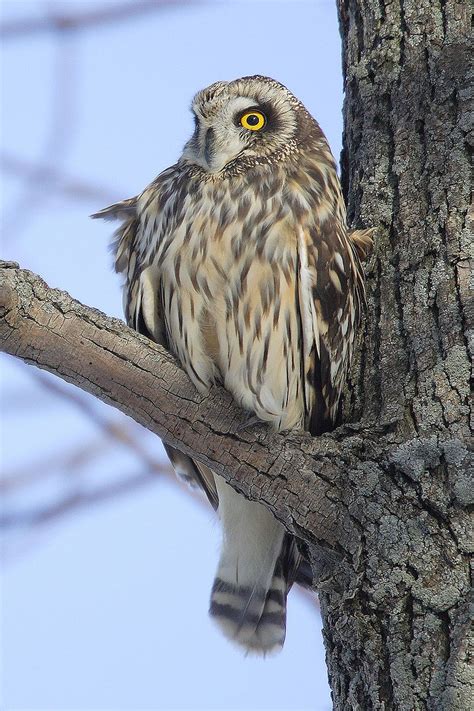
x: 256, y: 620
x: 248, y: 599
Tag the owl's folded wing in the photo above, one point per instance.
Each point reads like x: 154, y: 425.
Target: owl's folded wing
x: 143, y: 312
x: 330, y: 300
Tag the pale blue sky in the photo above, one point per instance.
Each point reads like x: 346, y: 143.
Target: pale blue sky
x: 107, y: 609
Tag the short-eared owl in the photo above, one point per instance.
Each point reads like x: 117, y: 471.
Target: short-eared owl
x: 238, y: 259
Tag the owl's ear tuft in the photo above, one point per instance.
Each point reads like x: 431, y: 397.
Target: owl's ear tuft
x: 363, y: 241
x: 123, y: 210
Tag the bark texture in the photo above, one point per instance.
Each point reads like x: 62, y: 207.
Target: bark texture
x: 399, y: 638
x: 381, y: 504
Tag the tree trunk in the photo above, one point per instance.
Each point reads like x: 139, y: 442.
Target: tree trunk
x: 396, y: 620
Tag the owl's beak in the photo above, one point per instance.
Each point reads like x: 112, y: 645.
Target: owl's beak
x: 207, y: 149
x: 212, y: 155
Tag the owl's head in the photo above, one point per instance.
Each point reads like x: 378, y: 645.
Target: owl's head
x: 245, y: 122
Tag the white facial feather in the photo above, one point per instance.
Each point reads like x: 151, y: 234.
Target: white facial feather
x: 219, y: 139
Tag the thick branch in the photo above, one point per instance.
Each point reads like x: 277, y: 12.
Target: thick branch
x: 297, y: 476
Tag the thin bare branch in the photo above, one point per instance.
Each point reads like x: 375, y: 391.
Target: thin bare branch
x: 71, y: 460
x: 111, y: 428
x: 124, y: 432
x: 67, y: 22
x: 58, y: 139
x: 76, y: 500
x: 51, y: 177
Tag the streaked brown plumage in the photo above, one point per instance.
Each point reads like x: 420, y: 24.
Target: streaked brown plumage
x: 238, y: 259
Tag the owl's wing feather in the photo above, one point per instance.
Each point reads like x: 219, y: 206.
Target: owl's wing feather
x: 330, y: 298
x: 118, y: 211
x: 194, y: 473
x: 143, y: 312
x: 363, y: 241
x: 311, y: 342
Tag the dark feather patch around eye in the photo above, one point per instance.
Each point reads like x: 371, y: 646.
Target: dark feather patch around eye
x: 271, y: 115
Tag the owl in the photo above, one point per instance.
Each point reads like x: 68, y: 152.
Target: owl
x: 238, y: 260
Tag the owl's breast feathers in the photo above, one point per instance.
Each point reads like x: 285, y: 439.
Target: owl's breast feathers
x: 252, y: 280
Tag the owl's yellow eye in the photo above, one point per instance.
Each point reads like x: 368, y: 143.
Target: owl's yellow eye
x: 253, y: 120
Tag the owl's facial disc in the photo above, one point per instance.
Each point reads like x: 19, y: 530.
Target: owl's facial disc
x: 229, y: 126
x: 219, y: 136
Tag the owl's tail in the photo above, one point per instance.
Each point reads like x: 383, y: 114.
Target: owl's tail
x: 255, y: 571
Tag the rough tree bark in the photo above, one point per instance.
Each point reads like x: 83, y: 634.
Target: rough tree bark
x: 396, y: 635
x: 382, y: 504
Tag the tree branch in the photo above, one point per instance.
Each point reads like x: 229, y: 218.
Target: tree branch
x: 298, y: 477
x: 65, y: 22
x: 49, y: 177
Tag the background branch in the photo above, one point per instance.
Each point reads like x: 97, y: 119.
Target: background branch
x: 65, y: 22
x: 52, y: 178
